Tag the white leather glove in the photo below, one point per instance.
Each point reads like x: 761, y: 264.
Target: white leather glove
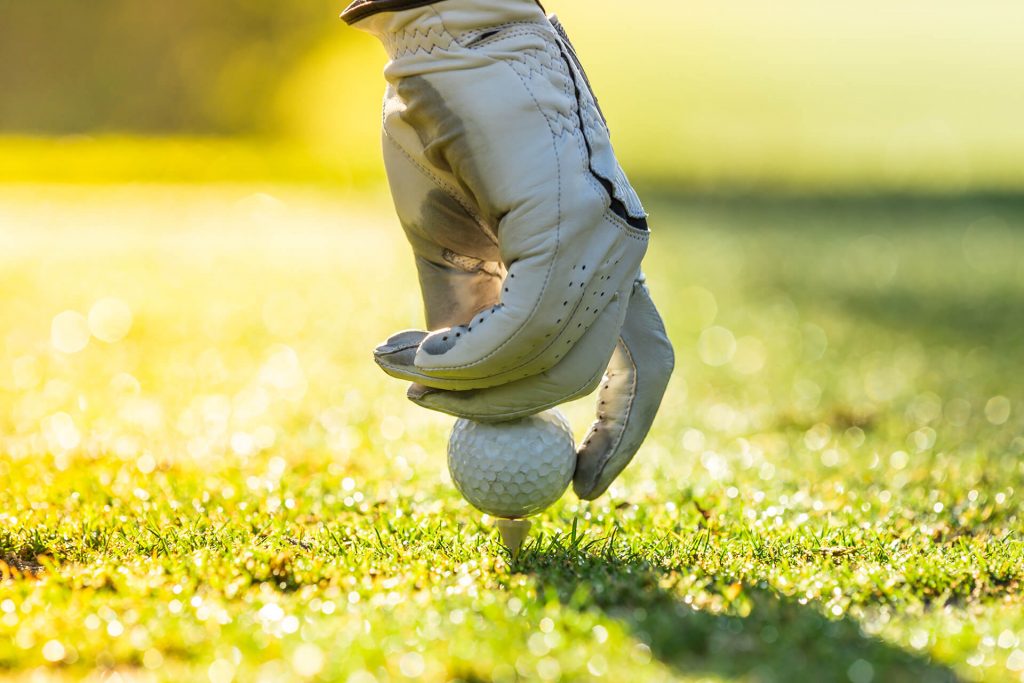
x: 527, y: 235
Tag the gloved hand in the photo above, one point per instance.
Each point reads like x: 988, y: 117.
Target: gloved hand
x: 527, y: 235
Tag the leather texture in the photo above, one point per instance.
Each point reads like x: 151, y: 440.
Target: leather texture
x: 630, y: 396
x: 526, y: 233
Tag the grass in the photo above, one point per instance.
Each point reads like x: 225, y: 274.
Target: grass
x: 227, y: 489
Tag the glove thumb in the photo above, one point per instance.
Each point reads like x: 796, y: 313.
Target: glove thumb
x: 630, y: 395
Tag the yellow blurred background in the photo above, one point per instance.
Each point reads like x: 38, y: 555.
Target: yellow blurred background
x: 800, y: 95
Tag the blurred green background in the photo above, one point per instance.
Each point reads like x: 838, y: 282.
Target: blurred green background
x: 203, y: 475
x: 803, y: 95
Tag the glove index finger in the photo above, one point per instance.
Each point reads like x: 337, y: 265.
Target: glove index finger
x: 576, y: 375
x: 557, y: 286
x: 396, y: 355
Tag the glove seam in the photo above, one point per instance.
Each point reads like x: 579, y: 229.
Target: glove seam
x: 572, y: 92
x: 444, y: 26
x: 629, y: 406
x: 466, y: 39
x: 511, y: 415
x: 554, y: 119
x: 603, y: 185
x: 547, y: 276
x: 404, y: 42
x: 627, y: 229
x: 442, y: 186
x: 625, y: 417
x: 573, y: 95
x: 503, y: 33
x: 575, y: 124
x: 558, y: 230
x: 579, y: 391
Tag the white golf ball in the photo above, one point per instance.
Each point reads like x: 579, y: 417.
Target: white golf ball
x: 512, y: 469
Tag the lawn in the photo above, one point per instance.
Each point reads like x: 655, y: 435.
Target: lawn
x: 203, y: 476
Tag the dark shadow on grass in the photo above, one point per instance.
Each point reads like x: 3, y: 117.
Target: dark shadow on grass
x: 783, y: 203
x: 966, y: 319
x: 778, y: 640
x: 978, y: 308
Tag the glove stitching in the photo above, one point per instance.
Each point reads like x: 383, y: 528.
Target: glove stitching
x: 627, y: 229
x: 408, y: 42
x: 440, y: 20
x: 573, y: 127
x: 579, y: 391
x: 572, y: 92
x: 466, y: 39
x: 547, y: 277
x: 629, y: 406
x: 575, y: 393
x: 582, y: 96
x: 444, y: 187
x: 625, y: 417
x: 505, y: 35
x: 558, y: 122
x: 502, y: 36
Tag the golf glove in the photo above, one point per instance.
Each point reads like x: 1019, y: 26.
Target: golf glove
x: 526, y: 233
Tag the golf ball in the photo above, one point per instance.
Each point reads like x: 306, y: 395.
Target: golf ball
x: 512, y: 469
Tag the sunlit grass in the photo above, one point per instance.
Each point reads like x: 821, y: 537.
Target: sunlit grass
x: 206, y: 478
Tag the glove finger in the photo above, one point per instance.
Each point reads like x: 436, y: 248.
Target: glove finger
x: 576, y: 375
x: 629, y: 398
x: 566, y: 248
x: 549, y: 302
x: 397, y: 357
x: 451, y: 294
x: 457, y: 257
x: 455, y: 252
x: 398, y: 350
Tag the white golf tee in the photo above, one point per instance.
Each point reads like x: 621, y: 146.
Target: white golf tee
x: 513, y: 533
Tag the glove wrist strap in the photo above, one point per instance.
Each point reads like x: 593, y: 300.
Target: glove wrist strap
x: 361, y: 9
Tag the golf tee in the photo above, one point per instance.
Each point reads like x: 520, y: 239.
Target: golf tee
x: 513, y: 533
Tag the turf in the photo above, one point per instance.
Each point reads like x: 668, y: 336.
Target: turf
x: 231, y: 491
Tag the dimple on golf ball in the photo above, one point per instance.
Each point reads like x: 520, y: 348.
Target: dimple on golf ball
x: 512, y: 469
